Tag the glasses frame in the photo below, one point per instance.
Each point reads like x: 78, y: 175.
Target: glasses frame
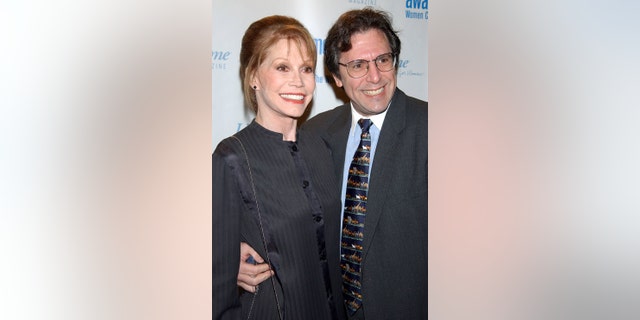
x: 346, y: 65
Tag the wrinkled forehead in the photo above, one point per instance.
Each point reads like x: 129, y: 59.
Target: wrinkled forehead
x: 367, y: 45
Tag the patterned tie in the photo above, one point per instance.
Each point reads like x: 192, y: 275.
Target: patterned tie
x: 355, y: 208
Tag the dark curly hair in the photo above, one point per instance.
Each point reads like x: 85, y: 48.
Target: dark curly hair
x: 355, y: 21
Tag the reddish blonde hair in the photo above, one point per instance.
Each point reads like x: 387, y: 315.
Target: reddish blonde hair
x: 260, y: 37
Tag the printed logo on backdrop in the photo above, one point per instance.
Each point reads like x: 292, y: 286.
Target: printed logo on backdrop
x: 364, y: 2
x: 320, y: 47
x: 417, y: 9
x: 220, y: 59
x: 414, y: 10
x: 404, y: 69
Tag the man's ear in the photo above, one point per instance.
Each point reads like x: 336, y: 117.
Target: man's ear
x: 337, y: 80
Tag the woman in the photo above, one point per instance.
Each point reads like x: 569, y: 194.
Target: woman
x: 274, y: 188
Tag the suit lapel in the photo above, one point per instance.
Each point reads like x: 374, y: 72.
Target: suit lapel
x: 383, y: 167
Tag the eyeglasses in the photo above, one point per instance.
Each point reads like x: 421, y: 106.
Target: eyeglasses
x: 360, y: 67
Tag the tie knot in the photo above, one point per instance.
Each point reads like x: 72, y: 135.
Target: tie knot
x: 365, y: 124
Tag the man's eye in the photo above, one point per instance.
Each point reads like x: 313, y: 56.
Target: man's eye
x: 356, y: 65
x: 384, y: 60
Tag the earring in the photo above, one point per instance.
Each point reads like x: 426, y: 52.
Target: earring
x: 255, y: 87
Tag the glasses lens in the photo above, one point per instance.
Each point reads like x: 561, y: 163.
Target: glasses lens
x: 385, y: 62
x: 358, y: 68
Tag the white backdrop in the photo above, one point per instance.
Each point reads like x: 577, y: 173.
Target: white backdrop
x: 231, y: 19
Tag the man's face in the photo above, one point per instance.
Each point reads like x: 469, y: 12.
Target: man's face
x: 371, y: 93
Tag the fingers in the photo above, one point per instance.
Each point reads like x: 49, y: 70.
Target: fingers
x: 246, y: 251
x: 251, y: 275
x: 252, y: 269
x: 249, y: 283
x: 247, y: 287
x: 255, y: 279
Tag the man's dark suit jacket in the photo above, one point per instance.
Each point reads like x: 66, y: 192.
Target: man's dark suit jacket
x: 394, y: 266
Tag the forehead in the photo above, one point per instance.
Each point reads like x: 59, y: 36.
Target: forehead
x: 366, y: 45
x: 286, y: 48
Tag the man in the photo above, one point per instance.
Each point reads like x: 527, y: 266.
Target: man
x: 387, y: 279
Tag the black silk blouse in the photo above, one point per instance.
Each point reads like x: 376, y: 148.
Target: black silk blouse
x: 298, y: 209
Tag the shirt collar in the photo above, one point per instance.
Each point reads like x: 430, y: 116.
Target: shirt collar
x: 377, y: 119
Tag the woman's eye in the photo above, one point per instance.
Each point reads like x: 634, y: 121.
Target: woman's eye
x: 282, y: 68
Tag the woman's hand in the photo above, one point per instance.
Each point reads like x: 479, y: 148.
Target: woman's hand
x: 251, y: 274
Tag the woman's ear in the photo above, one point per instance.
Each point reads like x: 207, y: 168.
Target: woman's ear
x: 254, y: 82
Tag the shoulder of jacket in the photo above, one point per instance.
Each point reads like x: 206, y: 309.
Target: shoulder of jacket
x: 324, y: 118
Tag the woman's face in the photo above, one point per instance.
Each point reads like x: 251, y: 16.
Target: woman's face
x: 285, y: 82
